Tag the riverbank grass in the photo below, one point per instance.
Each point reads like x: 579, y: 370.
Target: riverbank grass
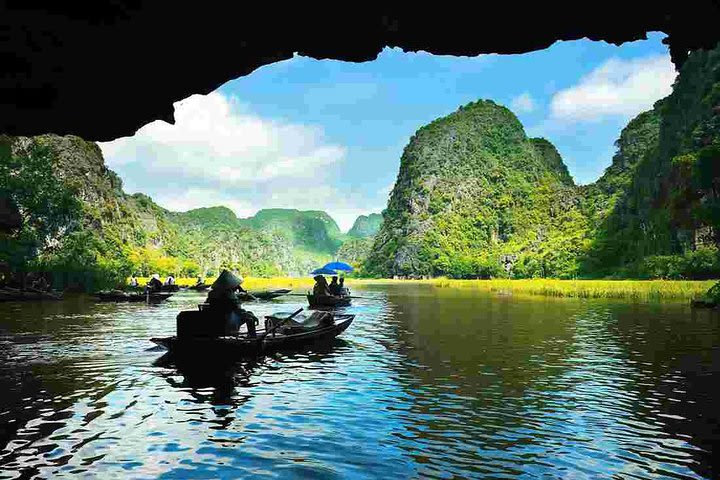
x: 642, y: 290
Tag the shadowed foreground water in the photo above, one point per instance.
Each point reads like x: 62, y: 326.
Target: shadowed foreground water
x: 427, y: 382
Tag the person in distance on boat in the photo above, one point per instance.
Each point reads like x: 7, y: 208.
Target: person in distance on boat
x: 154, y: 285
x: 223, y: 299
x: 321, y: 287
x: 170, y: 280
x: 343, y: 289
x: 133, y: 281
x: 334, y: 287
x: 200, y: 281
x: 40, y: 284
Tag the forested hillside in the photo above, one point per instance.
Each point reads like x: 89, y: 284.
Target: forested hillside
x: 75, y: 221
x: 366, y: 226
x: 664, y: 214
x: 476, y: 197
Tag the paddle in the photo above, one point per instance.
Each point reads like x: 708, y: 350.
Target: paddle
x: 279, y: 324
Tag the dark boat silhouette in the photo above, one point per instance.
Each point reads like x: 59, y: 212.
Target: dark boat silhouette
x: 279, y: 336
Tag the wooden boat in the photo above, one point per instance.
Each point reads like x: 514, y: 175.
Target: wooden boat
x: 17, y: 295
x: 118, y: 296
x: 200, y: 288
x: 328, y: 302
x: 297, y: 335
x: 265, y: 294
x: 171, y: 288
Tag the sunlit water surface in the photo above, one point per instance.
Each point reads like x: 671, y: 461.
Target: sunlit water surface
x: 427, y: 382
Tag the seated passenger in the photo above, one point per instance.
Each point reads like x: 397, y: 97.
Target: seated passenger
x: 343, y: 289
x: 321, y: 287
x: 334, y: 287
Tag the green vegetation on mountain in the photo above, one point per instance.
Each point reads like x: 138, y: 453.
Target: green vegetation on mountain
x: 311, y: 231
x: 476, y: 197
x: 664, y: 222
x: 366, y: 226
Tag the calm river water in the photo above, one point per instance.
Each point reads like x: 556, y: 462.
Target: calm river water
x: 427, y: 383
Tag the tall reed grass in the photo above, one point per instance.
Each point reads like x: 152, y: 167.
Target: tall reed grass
x: 639, y: 290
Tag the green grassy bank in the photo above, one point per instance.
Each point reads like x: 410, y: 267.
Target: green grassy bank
x: 642, y: 290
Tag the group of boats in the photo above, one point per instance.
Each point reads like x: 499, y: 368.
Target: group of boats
x: 204, y: 332
x: 197, y: 333
x: 162, y: 295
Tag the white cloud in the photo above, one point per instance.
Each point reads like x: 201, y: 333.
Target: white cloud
x: 523, y: 103
x: 616, y: 88
x: 215, y: 140
x: 218, y: 153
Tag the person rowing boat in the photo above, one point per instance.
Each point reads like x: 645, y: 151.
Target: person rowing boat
x: 223, y: 300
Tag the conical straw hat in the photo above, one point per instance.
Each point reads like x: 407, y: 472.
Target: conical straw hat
x: 226, y: 281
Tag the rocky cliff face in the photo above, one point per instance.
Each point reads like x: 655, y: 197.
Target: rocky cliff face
x: 661, y: 216
x: 472, y: 189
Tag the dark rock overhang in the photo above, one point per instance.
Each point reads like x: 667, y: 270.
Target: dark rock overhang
x: 103, y: 69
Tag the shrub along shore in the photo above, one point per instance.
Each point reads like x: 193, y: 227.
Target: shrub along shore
x: 639, y: 290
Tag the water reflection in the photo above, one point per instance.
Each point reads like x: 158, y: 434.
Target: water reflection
x: 427, y: 382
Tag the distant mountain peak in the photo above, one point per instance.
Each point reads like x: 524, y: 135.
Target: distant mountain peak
x: 366, y: 226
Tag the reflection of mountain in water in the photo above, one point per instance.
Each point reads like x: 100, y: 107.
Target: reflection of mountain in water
x: 531, y: 385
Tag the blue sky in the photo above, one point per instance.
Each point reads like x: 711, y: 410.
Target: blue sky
x: 328, y: 135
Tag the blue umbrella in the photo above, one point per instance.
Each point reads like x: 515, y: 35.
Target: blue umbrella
x: 323, y: 271
x: 341, y: 266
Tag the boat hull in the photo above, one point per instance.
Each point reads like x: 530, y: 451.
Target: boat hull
x: 328, y: 302
x: 243, y: 346
x: 268, y: 294
x: 133, y: 297
x: 199, y: 288
x: 8, y: 295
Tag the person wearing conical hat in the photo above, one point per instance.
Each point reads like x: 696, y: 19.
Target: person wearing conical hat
x: 223, y: 300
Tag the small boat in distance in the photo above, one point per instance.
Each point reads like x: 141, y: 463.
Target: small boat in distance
x: 18, y: 295
x: 120, y: 296
x: 263, y: 294
x: 199, y: 287
x: 326, y: 301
